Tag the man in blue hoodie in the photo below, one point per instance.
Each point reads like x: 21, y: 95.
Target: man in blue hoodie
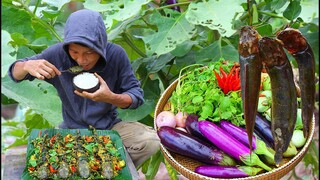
x: 85, y: 44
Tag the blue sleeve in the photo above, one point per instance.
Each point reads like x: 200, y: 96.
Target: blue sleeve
x: 28, y: 76
x: 129, y: 84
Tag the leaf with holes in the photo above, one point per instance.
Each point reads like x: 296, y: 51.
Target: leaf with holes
x: 216, y: 15
x: 173, y: 29
x: 117, y: 10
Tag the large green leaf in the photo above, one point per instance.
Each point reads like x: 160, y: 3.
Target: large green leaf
x: 37, y: 95
x: 152, y: 64
x: 215, y: 51
x: 121, y: 27
x: 214, y: 14
x: 56, y: 3
x: 306, y: 9
x: 117, y: 10
x: 6, y: 58
x: 154, y: 164
x: 132, y: 54
x: 309, y: 10
x: 293, y: 10
x: 172, y: 31
x: 16, y: 20
x: 136, y: 114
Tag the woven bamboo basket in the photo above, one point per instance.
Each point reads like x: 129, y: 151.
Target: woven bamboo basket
x: 186, y: 166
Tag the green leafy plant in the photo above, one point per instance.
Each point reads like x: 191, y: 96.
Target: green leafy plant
x: 159, y: 42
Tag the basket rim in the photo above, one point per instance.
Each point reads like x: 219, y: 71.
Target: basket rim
x: 284, y: 167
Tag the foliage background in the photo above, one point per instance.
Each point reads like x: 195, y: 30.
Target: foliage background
x: 159, y: 41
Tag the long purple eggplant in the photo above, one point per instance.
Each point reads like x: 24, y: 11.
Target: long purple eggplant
x: 258, y: 146
x: 193, y: 128
x: 184, y: 144
x: 230, y: 145
x: 263, y: 126
x: 239, y: 133
x: 227, y: 171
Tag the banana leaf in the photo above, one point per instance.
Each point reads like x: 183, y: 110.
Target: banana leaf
x: 114, y: 136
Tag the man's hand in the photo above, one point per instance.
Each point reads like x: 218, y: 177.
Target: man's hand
x: 41, y: 69
x: 104, y: 94
x: 101, y: 95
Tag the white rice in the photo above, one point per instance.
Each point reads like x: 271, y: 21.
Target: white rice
x: 85, y: 80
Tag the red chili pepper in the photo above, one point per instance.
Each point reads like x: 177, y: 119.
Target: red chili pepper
x: 94, y: 167
x: 117, y: 168
x: 229, y: 82
x: 73, y: 169
x: 52, y: 140
x: 88, y: 139
x: 52, y: 170
x: 224, y: 74
x: 66, y: 139
x: 105, y: 139
x: 31, y: 168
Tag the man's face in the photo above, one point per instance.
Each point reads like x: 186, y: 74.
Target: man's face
x: 84, y: 56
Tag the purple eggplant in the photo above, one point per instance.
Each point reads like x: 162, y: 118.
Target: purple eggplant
x: 239, y: 133
x: 263, y: 126
x: 258, y: 146
x: 185, y: 144
x: 176, y: 8
x: 230, y: 145
x: 227, y: 171
x: 261, y: 137
x: 193, y: 128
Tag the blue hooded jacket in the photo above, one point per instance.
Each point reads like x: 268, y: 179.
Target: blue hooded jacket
x: 87, y: 27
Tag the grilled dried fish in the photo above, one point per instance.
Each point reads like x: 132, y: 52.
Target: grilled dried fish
x: 250, y: 75
x: 284, y: 97
x: 299, y: 48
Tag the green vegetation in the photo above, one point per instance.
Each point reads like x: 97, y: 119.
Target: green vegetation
x: 159, y: 41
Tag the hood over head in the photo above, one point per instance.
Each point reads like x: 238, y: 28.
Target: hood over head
x: 86, y: 27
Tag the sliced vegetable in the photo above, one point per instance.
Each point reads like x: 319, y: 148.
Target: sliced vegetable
x: 230, y: 145
x: 184, y: 144
x: 227, y: 171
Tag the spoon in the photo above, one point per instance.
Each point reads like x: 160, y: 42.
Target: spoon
x: 74, y: 69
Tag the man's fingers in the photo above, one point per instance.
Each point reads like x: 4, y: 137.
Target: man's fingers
x: 39, y: 76
x: 53, y: 70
